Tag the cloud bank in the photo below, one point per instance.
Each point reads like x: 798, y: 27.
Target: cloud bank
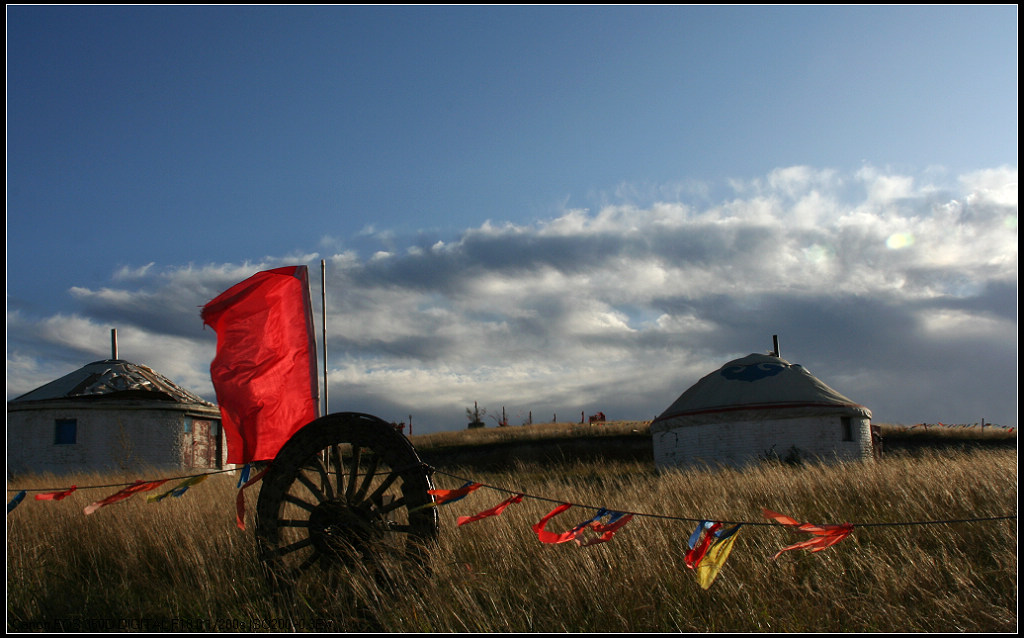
x: 899, y: 291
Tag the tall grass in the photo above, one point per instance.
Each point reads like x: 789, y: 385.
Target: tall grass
x: 182, y: 564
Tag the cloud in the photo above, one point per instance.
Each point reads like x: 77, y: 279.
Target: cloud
x: 898, y: 290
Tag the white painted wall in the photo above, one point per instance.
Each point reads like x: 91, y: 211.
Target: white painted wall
x: 743, y: 442
x: 126, y: 438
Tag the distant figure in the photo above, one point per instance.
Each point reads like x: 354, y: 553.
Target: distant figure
x: 597, y: 418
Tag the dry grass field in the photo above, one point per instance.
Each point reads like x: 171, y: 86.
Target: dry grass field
x: 919, y: 558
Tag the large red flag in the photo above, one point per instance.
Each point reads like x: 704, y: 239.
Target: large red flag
x: 264, y: 372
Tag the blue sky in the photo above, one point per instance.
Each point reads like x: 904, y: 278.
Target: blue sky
x: 554, y: 209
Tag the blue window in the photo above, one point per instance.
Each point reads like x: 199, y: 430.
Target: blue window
x: 188, y: 424
x: 66, y: 431
x: 847, y: 424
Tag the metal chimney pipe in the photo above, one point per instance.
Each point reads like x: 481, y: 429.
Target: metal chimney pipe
x: 113, y: 343
x: 775, y: 344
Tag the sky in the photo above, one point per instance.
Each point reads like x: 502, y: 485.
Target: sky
x: 550, y: 211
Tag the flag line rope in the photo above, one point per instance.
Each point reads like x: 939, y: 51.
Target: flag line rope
x: 552, y: 500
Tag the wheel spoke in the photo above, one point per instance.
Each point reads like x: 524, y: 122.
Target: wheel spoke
x: 294, y: 500
x: 291, y: 522
x: 313, y: 487
x: 367, y: 479
x: 394, y: 505
x: 325, y: 479
x: 338, y: 467
x: 294, y: 547
x: 383, y: 487
x: 309, y: 562
x: 357, y: 453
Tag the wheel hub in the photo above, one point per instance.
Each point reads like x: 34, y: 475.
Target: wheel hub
x: 336, y: 529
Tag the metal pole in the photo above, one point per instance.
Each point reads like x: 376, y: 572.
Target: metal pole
x: 323, y: 312
x: 113, y: 343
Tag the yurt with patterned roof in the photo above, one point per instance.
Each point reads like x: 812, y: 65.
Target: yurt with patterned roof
x: 761, y: 407
x: 112, y: 415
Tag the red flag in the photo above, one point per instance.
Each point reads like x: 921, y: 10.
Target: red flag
x: 825, y: 536
x: 442, y: 497
x: 264, y: 372
x: 56, y: 496
x: 545, y: 536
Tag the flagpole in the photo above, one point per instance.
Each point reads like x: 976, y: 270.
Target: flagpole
x: 323, y: 312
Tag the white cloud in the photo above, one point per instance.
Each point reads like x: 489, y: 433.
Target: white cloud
x: 619, y: 308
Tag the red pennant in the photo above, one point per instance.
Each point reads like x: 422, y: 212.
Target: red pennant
x: 138, y: 486
x: 550, y: 537
x: 494, y: 511
x: 450, y: 496
x: 56, y: 496
x: 264, y: 372
x: 825, y: 536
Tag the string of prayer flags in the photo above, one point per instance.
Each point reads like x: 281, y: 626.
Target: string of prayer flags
x: 824, y: 536
x: 444, y: 497
x: 240, y: 499
x: 179, y: 489
x: 56, y: 496
x: 18, y: 498
x: 494, y: 511
x: 707, y: 553
x: 138, y: 486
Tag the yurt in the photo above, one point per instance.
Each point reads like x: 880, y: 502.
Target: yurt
x: 760, y: 407
x: 112, y: 415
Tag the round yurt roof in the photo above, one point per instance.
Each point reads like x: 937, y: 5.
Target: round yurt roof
x: 756, y: 387
x: 114, y: 379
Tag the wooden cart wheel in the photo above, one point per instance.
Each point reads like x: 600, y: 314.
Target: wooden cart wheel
x: 345, y: 488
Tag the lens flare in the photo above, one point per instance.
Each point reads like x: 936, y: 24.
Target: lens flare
x: 897, y: 241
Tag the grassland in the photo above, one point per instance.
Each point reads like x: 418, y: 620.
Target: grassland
x: 183, y: 565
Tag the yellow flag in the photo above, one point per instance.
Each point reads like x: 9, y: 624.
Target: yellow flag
x: 711, y: 564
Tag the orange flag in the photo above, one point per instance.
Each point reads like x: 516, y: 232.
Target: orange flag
x: 824, y: 536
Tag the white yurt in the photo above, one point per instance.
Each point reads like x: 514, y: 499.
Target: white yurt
x: 760, y: 407
x: 111, y: 415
